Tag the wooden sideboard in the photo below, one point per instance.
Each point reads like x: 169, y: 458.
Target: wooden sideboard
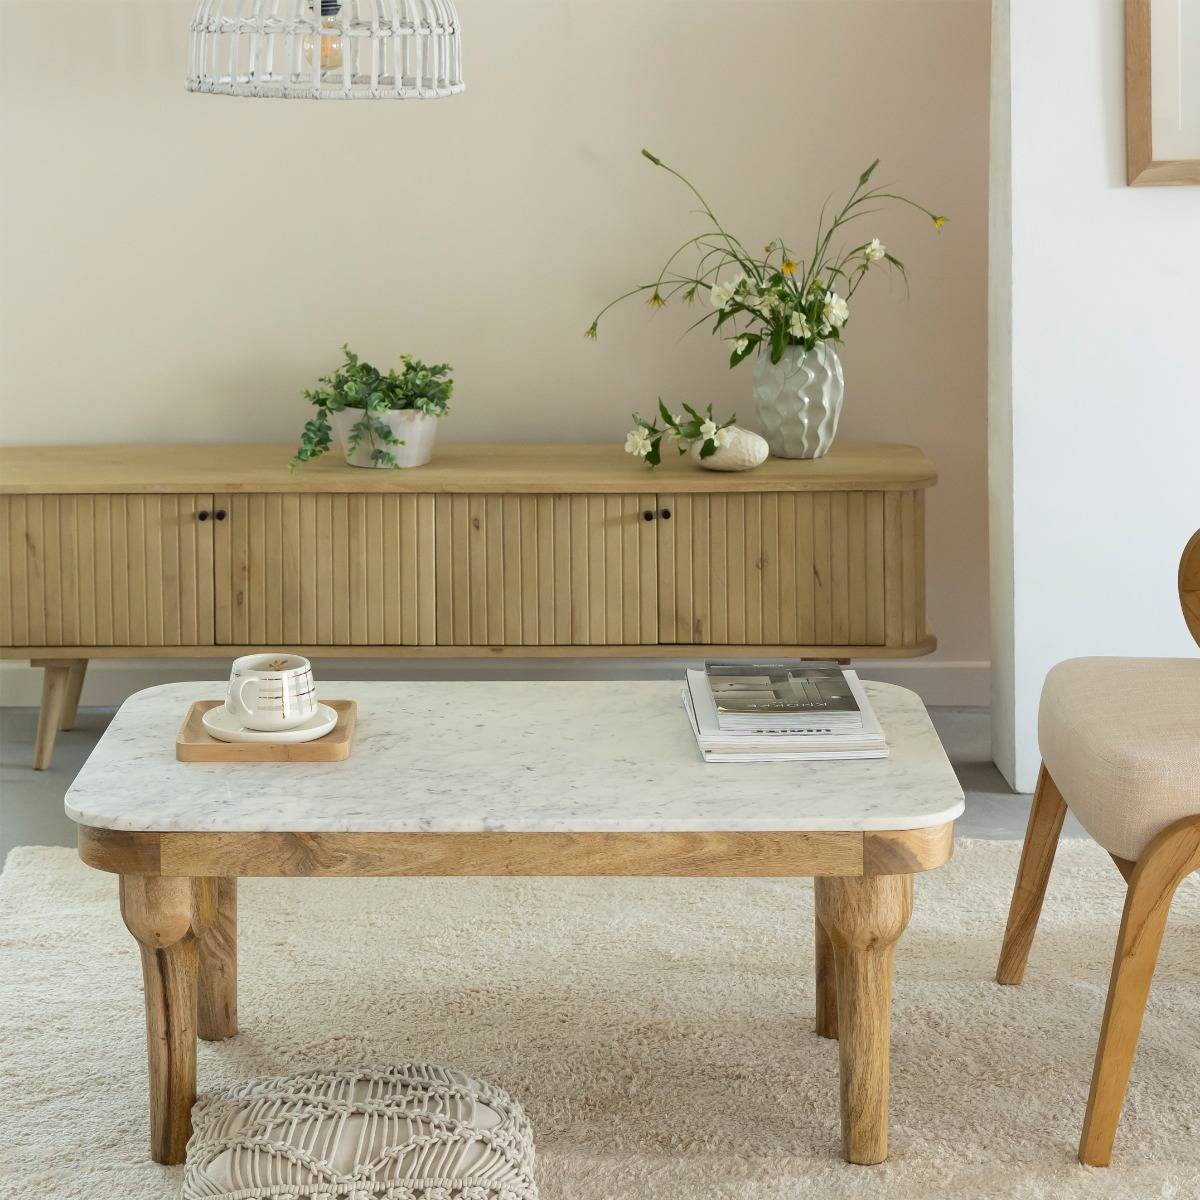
x: 182, y: 551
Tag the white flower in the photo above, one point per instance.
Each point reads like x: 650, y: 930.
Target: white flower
x: 772, y: 302
x: 825, y: 330
x: 636, y: 442
x: 836, y: 310
x: 739, y: 347
x: 875, y: 250
x: 708, y: 429
x: 723, y: 436
x: 798, y: 326
x: 722, y: 293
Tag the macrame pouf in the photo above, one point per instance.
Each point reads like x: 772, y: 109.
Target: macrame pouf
x: 409, y: 1133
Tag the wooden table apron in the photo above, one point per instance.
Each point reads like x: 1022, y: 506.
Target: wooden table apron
x: 179, y: 900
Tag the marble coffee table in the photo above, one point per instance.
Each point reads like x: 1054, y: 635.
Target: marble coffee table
x: 508, y: 778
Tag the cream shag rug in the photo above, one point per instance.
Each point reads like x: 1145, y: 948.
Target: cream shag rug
x: 659, y: 1032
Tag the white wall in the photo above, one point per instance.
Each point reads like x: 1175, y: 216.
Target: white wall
x: 1098, y: 488
x: 178, y: 268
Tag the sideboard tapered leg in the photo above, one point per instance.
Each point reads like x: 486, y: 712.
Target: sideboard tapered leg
x: 55, y: 688
x: 77, y: 671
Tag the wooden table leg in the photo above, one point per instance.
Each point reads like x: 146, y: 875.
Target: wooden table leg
x: 164, y: 916
x: 827, y: 1026
x: 217, y: 1003
x: 864, y: 917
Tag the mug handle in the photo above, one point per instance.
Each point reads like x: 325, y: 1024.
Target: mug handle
x: 236, y: 705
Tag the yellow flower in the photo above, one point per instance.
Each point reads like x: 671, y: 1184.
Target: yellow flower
x: 656, y: 301
x: 789, y: 267
x: 690, y: 295
x: 938, y: 222
x: 591, y: 331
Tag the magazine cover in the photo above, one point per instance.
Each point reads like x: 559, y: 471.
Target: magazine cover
x: 750, y: 688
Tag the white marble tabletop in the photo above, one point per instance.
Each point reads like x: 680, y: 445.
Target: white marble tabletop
x: 557, y: 756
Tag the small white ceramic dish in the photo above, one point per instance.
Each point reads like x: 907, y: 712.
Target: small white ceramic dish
x: 225, y: 727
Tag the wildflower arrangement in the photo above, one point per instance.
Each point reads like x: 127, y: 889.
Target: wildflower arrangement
x: 687, y: 429
x: 779, y: 299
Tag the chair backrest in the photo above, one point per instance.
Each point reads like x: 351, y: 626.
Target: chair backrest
x: 1189, y: 585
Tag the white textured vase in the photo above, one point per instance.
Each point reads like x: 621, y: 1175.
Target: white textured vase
x: 417, y: 429
x: 799, y: 400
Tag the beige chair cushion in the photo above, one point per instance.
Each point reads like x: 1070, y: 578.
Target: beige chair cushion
x: 1121, y: 738
x: 415, y: 1132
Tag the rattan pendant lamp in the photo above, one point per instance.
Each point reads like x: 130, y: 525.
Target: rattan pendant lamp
x: 326, y: 49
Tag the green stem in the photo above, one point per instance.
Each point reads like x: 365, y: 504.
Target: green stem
x: 744, y: 259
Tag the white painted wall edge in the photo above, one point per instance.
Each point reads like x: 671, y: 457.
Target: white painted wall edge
x: 110, y: 681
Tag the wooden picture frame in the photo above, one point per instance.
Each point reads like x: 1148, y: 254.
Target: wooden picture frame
x: 1142, y: 166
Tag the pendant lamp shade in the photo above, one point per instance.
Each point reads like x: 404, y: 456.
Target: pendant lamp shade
x: 326, y: 49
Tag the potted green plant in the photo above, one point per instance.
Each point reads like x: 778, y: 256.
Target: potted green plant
x: 381, y: 420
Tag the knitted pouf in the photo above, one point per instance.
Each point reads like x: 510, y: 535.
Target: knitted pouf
x: 414, y: 1132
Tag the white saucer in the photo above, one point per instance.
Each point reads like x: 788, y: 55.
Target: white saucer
x: 220, y: 723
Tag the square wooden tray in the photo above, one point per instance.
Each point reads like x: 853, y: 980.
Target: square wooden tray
x: 195, y: 744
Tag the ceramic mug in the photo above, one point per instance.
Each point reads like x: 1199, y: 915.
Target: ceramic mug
x: 271, y: 691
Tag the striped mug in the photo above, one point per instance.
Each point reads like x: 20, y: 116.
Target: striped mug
x: 271, y: 692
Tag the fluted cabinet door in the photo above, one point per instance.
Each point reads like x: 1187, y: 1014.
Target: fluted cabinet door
x: 106, y: 570
x: 546, y: 570
x: 325, y: 569
x: 821, y: 569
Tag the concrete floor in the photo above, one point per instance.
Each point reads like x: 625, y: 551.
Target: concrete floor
x: 31, y: 812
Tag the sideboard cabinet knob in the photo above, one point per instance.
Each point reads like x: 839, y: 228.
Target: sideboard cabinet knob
x: 202, y: 515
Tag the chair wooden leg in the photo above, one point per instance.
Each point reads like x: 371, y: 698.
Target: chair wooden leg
x: 165, y: 918
x: 864, y: 916
x: 827, y: 1025
x: 1037, y: 857
x: 55, y: 687
x: 217, y: 1003
x: 1166, y: 862
x: 74, y: 687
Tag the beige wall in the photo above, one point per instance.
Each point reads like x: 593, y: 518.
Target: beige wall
x: 178, y: 267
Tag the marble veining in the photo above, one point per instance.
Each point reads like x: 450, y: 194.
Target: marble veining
x: 556, y: 756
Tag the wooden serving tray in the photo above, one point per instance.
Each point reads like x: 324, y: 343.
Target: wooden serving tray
x: 195, y: 744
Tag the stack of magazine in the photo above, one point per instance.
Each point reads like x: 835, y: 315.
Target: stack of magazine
x: 788, y: 712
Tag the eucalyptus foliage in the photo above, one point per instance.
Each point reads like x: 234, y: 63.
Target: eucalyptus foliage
x: 357, y: 384
x: 780, y: 298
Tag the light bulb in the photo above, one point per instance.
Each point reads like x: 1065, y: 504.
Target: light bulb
x: 331, y: 42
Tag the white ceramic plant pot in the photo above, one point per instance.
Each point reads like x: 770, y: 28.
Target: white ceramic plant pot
x: 417, y: 429
x: 799, y: 399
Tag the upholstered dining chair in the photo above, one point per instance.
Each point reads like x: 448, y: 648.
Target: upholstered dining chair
x: 1120, y: 743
